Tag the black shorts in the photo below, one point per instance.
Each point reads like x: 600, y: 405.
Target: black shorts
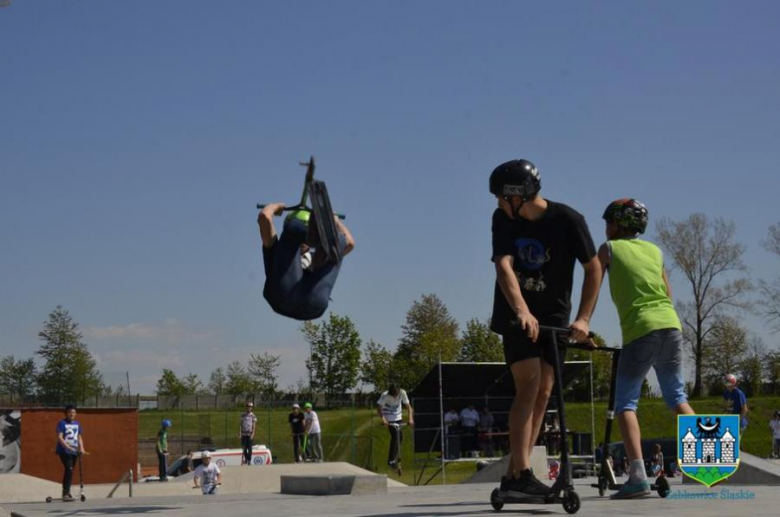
x: 519, y: 347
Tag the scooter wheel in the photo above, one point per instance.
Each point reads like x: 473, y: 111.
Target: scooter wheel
x: 83, y: 498
x: 49, y: 499
x: 602, y: 487
x: 662, y: 486
x: 571, y: 502
x: 496, y: 501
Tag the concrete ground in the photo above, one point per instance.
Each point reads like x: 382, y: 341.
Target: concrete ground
x: 437, y: 501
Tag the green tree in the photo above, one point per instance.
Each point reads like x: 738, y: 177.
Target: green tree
x: 335, y: 355
x: 170, y: 385
x: 751, y: 368
x: 192, y: 384
x: 217, y: 381
x: 239, y: 382
x: 707, y: 254
x: 69, y: 373
x: 578, y: 388
x: 772, y: 370
x: 724, y: 352
x: 770, y: 290
x: 430, y: 333
x: 17, y: 378
x: 262, y: 369
x: 479, y: 344
x: 377, y: 366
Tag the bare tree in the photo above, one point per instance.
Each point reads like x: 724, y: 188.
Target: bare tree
x: 706, y: 253
x: 770, y: 290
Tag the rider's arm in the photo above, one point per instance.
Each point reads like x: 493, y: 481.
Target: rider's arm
x: 411, y: 413
x: 266, y: 222
x: 590, y: 293
x: 350, y: 241
x: 507, y: 281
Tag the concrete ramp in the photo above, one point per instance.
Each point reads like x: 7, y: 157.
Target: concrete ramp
x: 334, y: 485
x: 492, y: 473
x: 17, y: 488
x: 752, y: 471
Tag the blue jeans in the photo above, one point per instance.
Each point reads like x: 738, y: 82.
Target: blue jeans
x: 661, y: 350
x: 291, y: 290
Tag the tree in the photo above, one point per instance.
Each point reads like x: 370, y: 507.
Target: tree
x: 770, y: 290
x: 724, y: 351
x: 70, y: 372
x: 578, y: 389
x: 751, y: 368
x: 430, y: 333
x: 772, y: 370
x: 170, y: 385
x: 335, y: 355
x: 192, y: 385
x: 217, y: 381
x: 377, y: 366
x: 17, y: 378
x: 239, y: 383
x: 263, y: 368
x: 705, y: 252
x: 479, y: 344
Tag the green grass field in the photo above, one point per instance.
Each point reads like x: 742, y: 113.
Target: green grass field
x: 356, y: 436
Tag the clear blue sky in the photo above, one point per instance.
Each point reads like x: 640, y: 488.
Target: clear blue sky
x: 136, y: 138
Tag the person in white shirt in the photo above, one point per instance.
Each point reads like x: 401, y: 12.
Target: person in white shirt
x: 313, y: 432
x: 469, y: 420
x: 207, y: 476
x: 451, y: 419
x: 774, y: 425
x: 246, y: 432
x: 390, y: 408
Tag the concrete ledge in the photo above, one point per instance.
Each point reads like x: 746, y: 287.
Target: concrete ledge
x: 752, y: 470
x: 325, y: 484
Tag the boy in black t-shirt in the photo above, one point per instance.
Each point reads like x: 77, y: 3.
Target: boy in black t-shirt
x: 297, y: 429
x: 536, y: 243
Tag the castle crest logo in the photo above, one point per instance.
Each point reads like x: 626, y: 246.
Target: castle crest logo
x: 708, y: 447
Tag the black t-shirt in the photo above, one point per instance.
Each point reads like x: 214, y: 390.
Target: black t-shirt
x: 544, y: 252
x: 296, y: 422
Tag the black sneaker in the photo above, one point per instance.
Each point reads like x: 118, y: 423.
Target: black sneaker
x: 538, y: 482
x: 527, y: 488
x: 504, y: 486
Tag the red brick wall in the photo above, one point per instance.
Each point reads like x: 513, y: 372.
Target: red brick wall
x: 110, y: 437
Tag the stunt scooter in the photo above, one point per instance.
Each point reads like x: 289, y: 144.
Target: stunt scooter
x: 82, y: 496
x: 606, y: 478
x: 327, y: 235
x: 562, y: 492
x: 396, y: 464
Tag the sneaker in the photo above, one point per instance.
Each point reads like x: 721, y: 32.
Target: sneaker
x: 67, y: 497
x: 632, y: 491
x: 527, y: 487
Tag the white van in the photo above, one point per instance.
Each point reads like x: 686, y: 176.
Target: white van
x: 261, y: 455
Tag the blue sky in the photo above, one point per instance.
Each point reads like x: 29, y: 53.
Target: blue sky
x: 136, y: 138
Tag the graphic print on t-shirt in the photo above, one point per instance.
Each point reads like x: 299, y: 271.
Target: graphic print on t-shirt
x: 531, y: 253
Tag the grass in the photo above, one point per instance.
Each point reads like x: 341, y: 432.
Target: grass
x: 356, y: 436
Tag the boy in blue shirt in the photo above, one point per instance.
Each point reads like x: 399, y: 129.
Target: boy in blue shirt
x: 736, y: 401
x: 69, y: 446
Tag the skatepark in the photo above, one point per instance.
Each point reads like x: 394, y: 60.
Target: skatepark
x: 258, y: 490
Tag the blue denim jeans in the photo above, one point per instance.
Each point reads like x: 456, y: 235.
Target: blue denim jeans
x: 292, y: 291
x: 661, y: 350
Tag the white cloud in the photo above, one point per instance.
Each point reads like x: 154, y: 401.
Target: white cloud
x: 170, y: 331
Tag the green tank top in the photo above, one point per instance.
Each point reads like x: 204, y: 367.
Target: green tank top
x: 638, y: 290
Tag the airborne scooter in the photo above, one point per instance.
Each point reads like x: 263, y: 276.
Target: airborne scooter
x: 326, y: 235
x: 606, y: 479
x: 562, y: 491
x: 82, y: 496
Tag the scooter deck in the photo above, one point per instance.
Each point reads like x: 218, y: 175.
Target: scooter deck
x: 322, y: 213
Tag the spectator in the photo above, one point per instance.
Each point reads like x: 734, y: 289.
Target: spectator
x: 469, y: 420
x: 736, y: 402
x: 246, y: 433
x: 451, y: 420
x: 313, y: 432
x: 486, y: 423
x: 774, y: 425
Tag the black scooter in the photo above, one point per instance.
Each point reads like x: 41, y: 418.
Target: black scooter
x: 562, y: 491
x: 82, y: 496
x: 606, y: 478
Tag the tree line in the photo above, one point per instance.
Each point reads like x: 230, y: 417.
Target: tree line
x: 720, y: 291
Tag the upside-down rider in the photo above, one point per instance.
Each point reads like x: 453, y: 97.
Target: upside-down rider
x: 298, y: 276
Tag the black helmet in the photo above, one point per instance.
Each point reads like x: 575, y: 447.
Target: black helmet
x: 627, y: 213
x: 515, y: 178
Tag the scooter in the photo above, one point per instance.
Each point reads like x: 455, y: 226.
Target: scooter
x: 396, y: 465
x: 606, y: 478
x: 562, y: 491
x: 82, y: 496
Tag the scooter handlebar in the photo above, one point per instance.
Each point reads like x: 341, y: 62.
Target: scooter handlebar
x: 260, y: 206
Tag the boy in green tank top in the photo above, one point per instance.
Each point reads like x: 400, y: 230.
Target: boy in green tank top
x: 651, y: 330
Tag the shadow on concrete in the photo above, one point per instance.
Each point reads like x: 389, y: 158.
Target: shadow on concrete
x: 113, y: 510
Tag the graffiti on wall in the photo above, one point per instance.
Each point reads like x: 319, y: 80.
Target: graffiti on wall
x: 10, y: 446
